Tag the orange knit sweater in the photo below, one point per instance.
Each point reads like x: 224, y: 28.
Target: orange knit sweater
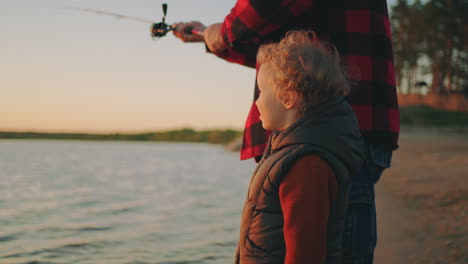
x: 305, y: 195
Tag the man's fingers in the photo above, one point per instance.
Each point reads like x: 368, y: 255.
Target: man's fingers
x: 175, y: 26
x: 179, y: 30
x: 176, y: 30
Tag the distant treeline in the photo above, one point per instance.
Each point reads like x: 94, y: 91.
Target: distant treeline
x: 431, y: 38
x: 182, y: 135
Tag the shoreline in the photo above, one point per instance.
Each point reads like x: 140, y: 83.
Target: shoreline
x: 422, y: 201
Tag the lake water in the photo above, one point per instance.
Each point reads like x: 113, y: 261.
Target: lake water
x: 119, y: 202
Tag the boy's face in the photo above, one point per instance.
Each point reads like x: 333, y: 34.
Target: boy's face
x: 274, y: 114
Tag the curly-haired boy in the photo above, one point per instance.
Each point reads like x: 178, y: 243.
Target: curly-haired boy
x: 297, y: 198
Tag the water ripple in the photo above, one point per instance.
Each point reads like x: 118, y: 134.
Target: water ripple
x: 7, y: 238
x: 119, y: 203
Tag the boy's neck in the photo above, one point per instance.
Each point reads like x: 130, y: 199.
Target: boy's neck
x: 290, y: 118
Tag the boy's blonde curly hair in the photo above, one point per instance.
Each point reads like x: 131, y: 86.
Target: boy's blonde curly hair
x: 302, y: 63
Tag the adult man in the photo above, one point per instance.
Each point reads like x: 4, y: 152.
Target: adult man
x: 360, y: 30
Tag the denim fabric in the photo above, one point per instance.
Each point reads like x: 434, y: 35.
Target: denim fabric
x: 360, y: 234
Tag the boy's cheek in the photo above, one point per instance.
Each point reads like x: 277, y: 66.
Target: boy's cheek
x: 258, y: 104
x: 260, y: 108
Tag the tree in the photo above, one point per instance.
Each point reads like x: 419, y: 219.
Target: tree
x: 435, y: 30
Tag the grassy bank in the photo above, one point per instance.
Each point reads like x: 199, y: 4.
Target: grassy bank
x: 420, y: 115
x: 183, y: 135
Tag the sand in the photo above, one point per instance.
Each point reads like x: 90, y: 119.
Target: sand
x: 422, y: 201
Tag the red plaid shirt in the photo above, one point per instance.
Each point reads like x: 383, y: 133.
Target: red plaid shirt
x: 359, y: 29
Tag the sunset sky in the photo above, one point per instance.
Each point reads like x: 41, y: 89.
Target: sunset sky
x: 64, y: 70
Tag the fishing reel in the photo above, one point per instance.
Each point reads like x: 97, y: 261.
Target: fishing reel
x: 159, y: 30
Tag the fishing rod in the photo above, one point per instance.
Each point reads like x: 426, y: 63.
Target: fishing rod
x: 158, y: 30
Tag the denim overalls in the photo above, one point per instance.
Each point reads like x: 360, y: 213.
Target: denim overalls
x: 360, y: 233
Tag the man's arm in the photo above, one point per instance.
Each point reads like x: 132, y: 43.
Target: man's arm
x: 248, y: 25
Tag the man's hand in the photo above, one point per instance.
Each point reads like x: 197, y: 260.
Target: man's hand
x: 214, y: 39
x: 179, y: 30
x: 211, y: 34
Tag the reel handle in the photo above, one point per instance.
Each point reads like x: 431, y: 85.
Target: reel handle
x: 164, y: 8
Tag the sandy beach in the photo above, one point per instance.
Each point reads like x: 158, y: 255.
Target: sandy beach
x: 422, y: 201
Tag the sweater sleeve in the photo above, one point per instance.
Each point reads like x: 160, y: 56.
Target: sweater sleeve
x: 305, y: 195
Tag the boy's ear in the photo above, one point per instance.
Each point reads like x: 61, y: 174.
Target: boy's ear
x: 289, y: 98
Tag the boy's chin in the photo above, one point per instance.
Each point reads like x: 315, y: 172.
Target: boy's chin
x: 266, y: 126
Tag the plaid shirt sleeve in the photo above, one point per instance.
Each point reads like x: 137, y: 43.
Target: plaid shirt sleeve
x: 253, y: 22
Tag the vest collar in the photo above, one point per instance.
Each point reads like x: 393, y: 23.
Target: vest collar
x: 311, y: 120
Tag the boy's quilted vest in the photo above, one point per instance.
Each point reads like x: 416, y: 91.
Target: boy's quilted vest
x: 338, y: 142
